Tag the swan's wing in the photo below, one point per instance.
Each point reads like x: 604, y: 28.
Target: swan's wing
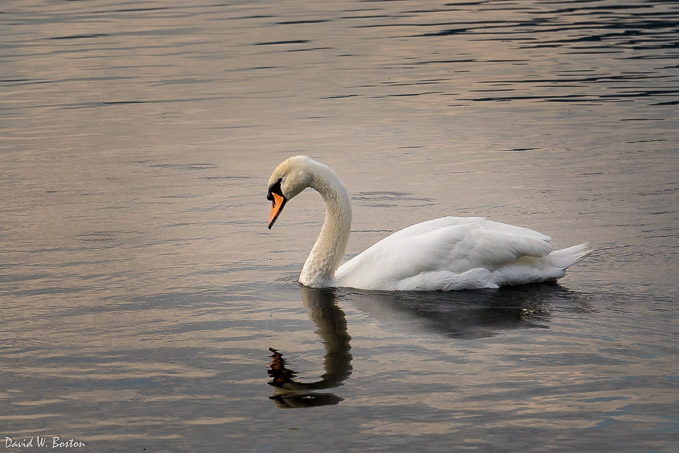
x: 449, y: 244
x: 492, y: 243
x: 443, y: 222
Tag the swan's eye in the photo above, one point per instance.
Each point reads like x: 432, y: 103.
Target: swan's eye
x: 275, y: 188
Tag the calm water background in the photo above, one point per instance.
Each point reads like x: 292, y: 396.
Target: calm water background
x: 140, y: 289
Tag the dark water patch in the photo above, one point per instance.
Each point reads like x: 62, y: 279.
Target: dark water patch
x: 642, y: 94
x: 597, y: 38
x: 641, y: 119
x: 141, y: 10
x: 515, y: 62
x: 603, y: 78
x: 424, y: 93
x: 253, y: 16
x: 310, y: 49
x: 340, y: 96
x: 561, y: 98
x: 667, y: 103
x: 82, y: 36
x: 371, y: 16
x: 244, y: 126
x: 407, y: 84
x: 473, y: 3
x: 613, y: 40
x: 304, y: 21
x: 123, y: 102
x: 520, y: 149
x: 18, y: 81
x: 453, y: 61
x: 448, y: 32
x: 460, y: 26
x: 647, y: 141
x: 670, y: 45
x: 382, y: 1
x: 257, y: 68
x: 492, y: 90
x: 588, y: 9
x: 86, y: 105
x: 281, y: 43
x: 593, y: 98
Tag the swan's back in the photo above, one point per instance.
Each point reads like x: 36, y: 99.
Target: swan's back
x: 456, y: 253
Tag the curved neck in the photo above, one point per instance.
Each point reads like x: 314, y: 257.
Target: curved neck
x: 326, y: 255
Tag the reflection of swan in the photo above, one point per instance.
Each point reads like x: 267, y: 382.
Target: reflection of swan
x: 331, y: 326
x: 468, y: 314
x: 441, y: 254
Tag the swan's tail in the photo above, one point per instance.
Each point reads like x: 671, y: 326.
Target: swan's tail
x: 567, y: 257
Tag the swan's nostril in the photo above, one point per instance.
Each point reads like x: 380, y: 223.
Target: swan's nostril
x: 275, y: 188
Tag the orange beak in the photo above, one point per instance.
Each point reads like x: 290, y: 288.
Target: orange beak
x: 276, y: 207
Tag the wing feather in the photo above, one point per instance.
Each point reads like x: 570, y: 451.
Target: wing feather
x: 451, y: 244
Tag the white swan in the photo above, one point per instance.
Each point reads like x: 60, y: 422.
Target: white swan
x: 443, y: 254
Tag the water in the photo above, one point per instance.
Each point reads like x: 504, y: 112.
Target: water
x: 141, y: 290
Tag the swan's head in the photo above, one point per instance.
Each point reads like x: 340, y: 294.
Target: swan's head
x: 287, y: 180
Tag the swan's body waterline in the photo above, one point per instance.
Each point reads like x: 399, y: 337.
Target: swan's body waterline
x: 448, y: 253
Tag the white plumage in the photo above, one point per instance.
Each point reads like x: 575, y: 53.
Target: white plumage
x: 449, y: 253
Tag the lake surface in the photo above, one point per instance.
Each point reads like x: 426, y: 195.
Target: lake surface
x: 140, y: 290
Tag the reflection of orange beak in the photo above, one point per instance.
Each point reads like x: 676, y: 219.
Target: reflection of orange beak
x: 276, y: 208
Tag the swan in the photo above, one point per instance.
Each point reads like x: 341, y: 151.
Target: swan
x: 449, y: 253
